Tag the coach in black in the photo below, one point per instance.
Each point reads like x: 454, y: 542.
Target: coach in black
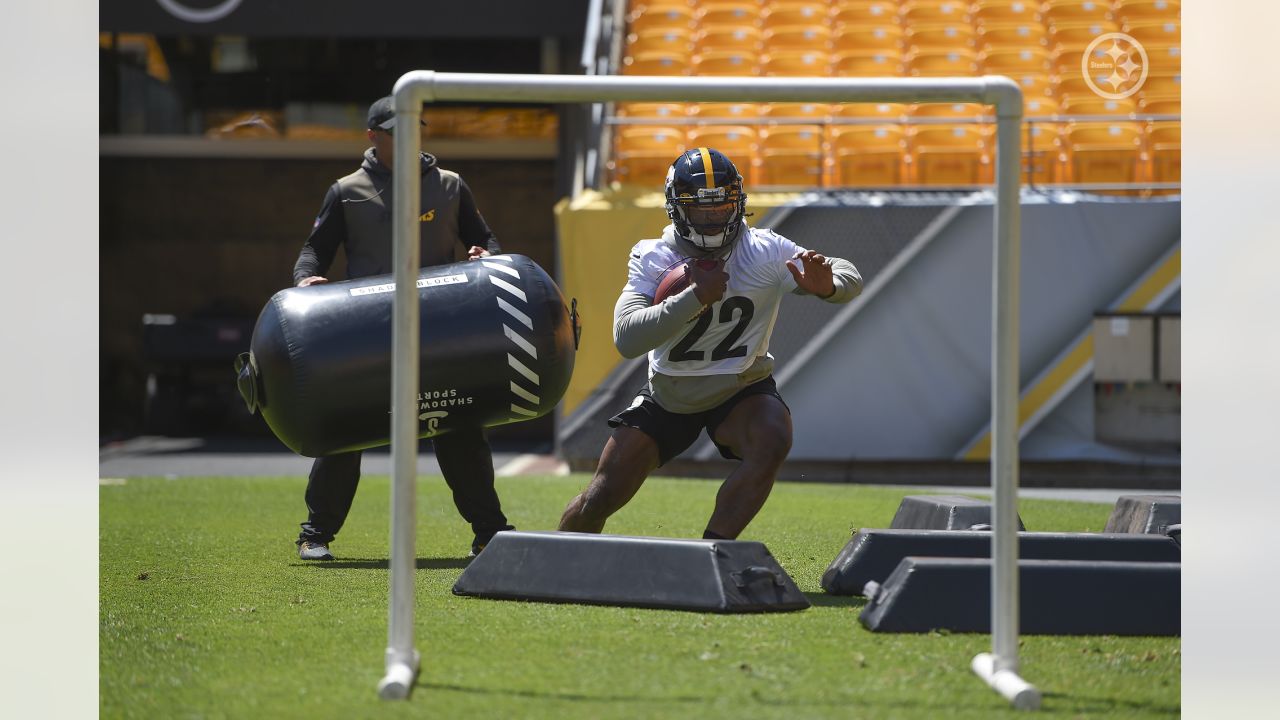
x: 356, y: 215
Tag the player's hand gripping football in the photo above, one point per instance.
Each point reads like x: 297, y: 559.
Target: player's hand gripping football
x: 816, y: 277
x: 709, y: 280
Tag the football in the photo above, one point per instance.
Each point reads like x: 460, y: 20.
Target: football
x: 676, y: 278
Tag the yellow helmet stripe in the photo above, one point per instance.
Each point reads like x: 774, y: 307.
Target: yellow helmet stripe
x: 706, y: 167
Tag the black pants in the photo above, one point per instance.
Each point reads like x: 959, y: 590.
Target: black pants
x: 467, y: 465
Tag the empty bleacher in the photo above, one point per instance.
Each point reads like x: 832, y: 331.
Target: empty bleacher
x: 1119, y: 127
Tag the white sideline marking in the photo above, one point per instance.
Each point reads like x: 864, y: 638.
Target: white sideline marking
x: 112, y: 481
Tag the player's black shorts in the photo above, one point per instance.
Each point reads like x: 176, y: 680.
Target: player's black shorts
x: 674, y: 432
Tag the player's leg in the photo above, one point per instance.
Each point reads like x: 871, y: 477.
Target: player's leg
x: 466, y: 461
x: 645, y: 436
x: 331, y: 488
x: 758, y: 430
x: 628, y: 458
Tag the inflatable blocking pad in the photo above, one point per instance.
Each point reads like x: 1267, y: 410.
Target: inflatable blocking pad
x: 872, y: 555
x: 1058, y: 597
x: 943, y: 512
x: 1145, y: 514
x: 726, y: 576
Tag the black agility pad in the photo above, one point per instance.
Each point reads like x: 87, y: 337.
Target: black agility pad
x: 1145, y: 514
x: 943, y: 512
x: 709, y: 575
x: 873, y: 554
x: 1058, y: 597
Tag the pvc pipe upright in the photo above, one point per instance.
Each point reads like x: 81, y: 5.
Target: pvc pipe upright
x: 401, y: 657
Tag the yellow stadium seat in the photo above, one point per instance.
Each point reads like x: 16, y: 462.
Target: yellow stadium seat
x: 1166, y: 84
x: 1135, y: 10
x: 728, y: 113
x: 949, y: 155
x: 733, y: 38
x: 1159, y: 105
x: 1104, y: 152
x: 1164, y: 58
x: 1165, y: 142
x: 645, y: 167
x: 971, y: 112
x: 1035, y: 84
x: 797, y: 37
x: 657, y: 63
x: 1042, y: 152
x: 724, y: 63
x: 1076, y: 36
x: 633, y: 138
x: 728, y: 13
x: 790, y: 155
x: 1012, y: 37
x: 867, y: 156
x: 935, y: 11
x: 780, y: 14
x: 1056, y: 11
x: 1075, y: 86
x: 795, y: 63
x: 1094, y: 105
x: 942, y: 63
x: 940, y: 36
x: 987, y: 12
x: 868, y: 37
x: 811, y: 112
x: 660, y: 40
x: 642, y: 153
x: 870, y: 12
x: 1036, y: 107
x: 1155, y: 32
x: 885, y: 112
x: 1016, y: 62
x: 736, y: 141
x: 651, y: 110
x: 879, y: 63
x: 666, y: 16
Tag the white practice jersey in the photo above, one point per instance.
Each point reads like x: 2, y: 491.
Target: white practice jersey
x: 729, y: 337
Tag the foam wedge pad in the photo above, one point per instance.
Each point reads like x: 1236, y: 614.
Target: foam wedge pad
x: 943, y: 512
x: 871, y: 555
x: 1058, y: 597
x: 1145, y: 514
x: 726, y: 576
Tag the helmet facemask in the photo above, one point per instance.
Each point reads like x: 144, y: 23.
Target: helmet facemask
x: 706, y: 214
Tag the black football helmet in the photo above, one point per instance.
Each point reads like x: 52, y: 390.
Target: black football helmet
x: 705, y: 200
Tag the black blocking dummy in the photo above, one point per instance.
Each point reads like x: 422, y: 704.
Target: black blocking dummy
x: 497, y: 346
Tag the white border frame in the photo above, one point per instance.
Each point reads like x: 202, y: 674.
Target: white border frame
x: 998, y: 668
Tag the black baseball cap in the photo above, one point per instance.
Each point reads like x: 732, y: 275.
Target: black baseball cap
x: 382, y: 114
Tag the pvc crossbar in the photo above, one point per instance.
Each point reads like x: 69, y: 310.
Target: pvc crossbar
x: 421, y: 86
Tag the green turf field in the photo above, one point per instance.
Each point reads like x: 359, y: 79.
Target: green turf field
x: 206, y: 612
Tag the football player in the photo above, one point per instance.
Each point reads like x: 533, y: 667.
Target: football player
x: 708, y: 345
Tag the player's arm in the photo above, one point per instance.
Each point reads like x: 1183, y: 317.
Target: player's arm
x: 327, y: 235
x: 640, y: 326
x: 833, y: 279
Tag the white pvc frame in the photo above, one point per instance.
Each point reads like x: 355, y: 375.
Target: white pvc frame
x: 998, y: 668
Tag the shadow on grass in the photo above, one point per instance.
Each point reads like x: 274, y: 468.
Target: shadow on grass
x: 821, y: 599
x: 1084, y: 704
x: 369, y: 564
x: 575, y: 697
